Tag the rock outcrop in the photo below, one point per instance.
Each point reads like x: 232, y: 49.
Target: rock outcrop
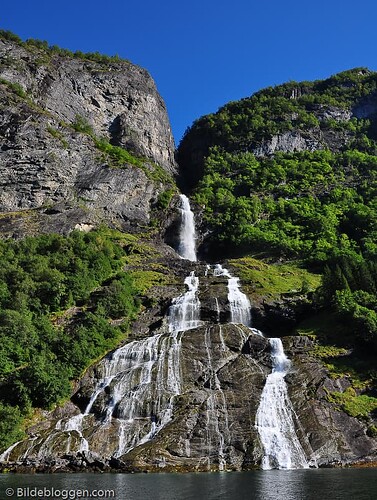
x: 222, y: 371
x: 335, y: 437
x: 54, y: 170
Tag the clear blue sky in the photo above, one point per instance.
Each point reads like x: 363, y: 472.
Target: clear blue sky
x: 205, y: 53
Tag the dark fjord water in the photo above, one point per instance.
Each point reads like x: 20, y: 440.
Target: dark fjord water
x: 332, y: 484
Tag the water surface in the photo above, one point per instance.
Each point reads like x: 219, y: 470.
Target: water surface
x: 334, y: 484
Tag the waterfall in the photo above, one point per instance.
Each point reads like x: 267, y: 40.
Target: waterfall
x: 145, y: 385
x: 275, y: 417
x: 187, y: 236
x: 160, y: 377
x: 185, y: 310
x: 5, y: 455
x: 137, y: 386
x: 238, y: 302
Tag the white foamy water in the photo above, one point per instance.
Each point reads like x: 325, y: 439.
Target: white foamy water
x: 275, y: 417
x: 184, y: 313
x: 240, y: 307
x: 187, y: 235
x: 5, y: 455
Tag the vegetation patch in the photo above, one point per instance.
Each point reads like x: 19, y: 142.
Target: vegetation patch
x: 328, y: 351
x: 302, y: 204
x: 15, y: 87
x: 140, y: 262
x: 335, y: 347
x: 57, y: 134
x: 275, y: 279
x: 51, y: 50
x: 164, y: 198
x: 356, y: 406
x: 118, y: 157
x: 41, y: 279
x: 145, y: 280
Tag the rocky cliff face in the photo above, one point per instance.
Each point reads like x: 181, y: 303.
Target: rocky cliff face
x: 335, y: 437
x: 213, y: 376
x: 53, y: 111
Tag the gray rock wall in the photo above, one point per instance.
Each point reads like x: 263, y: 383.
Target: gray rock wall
x: 118, y: 99
x: 45, y: 163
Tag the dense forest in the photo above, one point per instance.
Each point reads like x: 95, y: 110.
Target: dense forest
x: 59, y: 297
x: 312, y: 201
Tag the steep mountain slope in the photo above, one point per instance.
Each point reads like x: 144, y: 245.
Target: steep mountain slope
x: 116, y: 353
x: 84, y: 139
x: 327, y: 114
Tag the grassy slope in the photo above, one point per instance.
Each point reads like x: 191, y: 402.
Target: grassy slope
x: 274, y: 280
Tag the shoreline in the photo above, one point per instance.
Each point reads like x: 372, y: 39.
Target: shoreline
x: 61, y: 467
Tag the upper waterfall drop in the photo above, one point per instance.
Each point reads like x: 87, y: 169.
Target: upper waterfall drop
x: 184, y: 313
x: 187, y: 235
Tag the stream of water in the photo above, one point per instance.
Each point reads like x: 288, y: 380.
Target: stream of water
x: 275, y: 417
x: 139, y: 382
x: 187, y: 235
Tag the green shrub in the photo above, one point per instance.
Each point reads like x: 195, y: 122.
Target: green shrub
x: 10, y: 426
x: 81, y: 124
x: 164, y: 198
x: 15, y: 87
x: 117, y: 155
x: 57, y: 135
x: 355, y: 406
x: 8, y: 35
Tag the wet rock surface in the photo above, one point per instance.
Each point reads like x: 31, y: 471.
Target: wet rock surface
x: 336, y: 438
x: 222, y: 370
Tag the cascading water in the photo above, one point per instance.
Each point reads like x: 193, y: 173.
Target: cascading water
x: 275, y: 417
x: 185, y: 310
x: 138, y: 384
x: 140, y: 380
x: 187, y: 235
x: 160, y: 380
x: 6, y: 454
x: 238, y: 302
